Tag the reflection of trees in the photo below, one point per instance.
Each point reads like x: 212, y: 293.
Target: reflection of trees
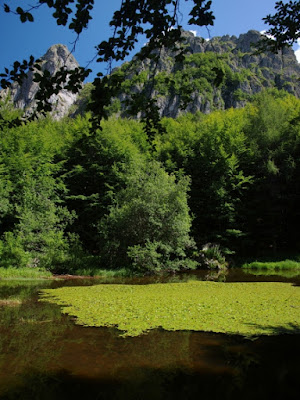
x: 21, y: 289
x: 104, y: 354
x: 28, y: 332
x: 93, y: 363
x: 100, y: 364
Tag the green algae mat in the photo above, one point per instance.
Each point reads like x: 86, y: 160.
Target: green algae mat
x: 248, y: 309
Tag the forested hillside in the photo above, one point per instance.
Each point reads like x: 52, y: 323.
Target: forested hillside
x: 74, y: 199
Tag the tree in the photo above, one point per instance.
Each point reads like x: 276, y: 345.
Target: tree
x: 33, y: 217
x: 158, y: 20
x: 148, y: 223
x: 270, y: 210
x: 94, y: 172
x: 210, y: 151
x: 284, y: 27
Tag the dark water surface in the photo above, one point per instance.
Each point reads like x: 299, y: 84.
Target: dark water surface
x: 44, y: 355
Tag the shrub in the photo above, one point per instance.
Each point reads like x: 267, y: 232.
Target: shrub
x: 12, y: 252
x: 154, y: 257
x: 212, y: 257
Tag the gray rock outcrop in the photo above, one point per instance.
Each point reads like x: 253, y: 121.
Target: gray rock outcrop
x: 23, y: 96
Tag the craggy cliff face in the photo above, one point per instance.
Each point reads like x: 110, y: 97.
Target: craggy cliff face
x: 55, y: 58
x: 244, y: 74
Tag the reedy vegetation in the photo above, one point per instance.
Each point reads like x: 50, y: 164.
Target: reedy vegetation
x: 73, y: 199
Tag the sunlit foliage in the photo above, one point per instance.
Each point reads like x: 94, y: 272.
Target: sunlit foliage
x: 71, y: 199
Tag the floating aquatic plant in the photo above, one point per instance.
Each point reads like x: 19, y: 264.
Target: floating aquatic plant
x: 247, y: 309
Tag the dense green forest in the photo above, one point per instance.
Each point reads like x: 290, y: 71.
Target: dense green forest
x: 215, y: 186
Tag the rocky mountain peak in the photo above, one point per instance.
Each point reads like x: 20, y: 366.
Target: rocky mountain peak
x: 56, y: 57
x: 244, y: 41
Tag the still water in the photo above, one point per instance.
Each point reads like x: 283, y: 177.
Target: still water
x: 44, y: 355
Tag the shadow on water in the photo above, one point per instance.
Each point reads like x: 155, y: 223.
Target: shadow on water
x: 289, y: 329
x: 44, y: 356
x: 211, y: 367
x: 158, y: 384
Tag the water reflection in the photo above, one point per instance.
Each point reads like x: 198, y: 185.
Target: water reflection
x: 29, y: 334
x: 45, y: 356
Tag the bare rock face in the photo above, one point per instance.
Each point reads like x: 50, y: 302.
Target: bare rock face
x: 23, y: 96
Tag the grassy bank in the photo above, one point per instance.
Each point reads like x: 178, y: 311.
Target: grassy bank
x: 39, y: 273
x: 273, y: 265
x: 24, y: 273
x: 264, y: 267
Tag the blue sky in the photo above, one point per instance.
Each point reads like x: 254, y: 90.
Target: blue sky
x: 19, y: 41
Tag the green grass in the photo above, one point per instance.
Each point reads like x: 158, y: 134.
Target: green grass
x: 274, y: 265
x: 38, y: 273
x: 234, y: 308
x: 24, y: 273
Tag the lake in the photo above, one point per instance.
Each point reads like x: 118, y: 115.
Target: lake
x: 44, y: 355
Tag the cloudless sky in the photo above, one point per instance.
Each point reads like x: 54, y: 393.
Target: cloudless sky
x: 19, y: 41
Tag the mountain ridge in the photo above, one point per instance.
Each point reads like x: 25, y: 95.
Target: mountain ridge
x: 245, y: 74
x: 189, y: 86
